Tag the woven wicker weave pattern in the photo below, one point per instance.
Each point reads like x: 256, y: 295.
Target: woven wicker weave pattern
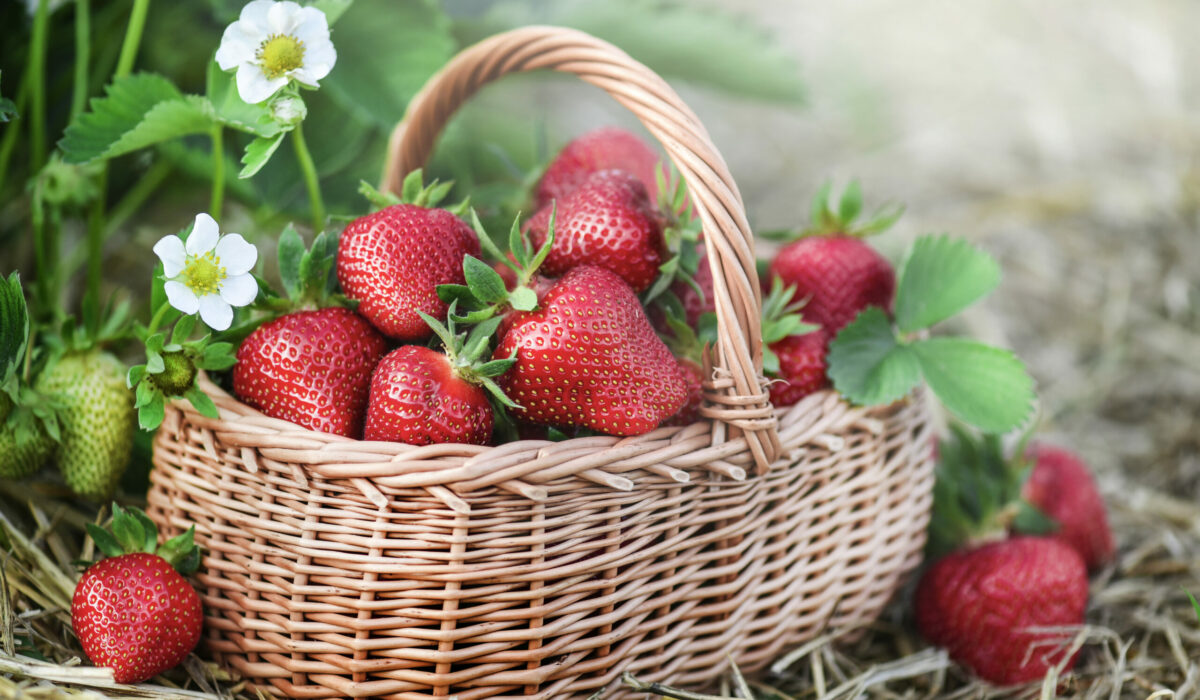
x: 343, y: 568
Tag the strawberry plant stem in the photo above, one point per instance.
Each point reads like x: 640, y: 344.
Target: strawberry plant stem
x: 37, y: 71
x: 218, y: 183
x: 13, y: 129
x: 83, y: 49
x: 158, y: 317
x: 133, y: 38
x: 310, y: 178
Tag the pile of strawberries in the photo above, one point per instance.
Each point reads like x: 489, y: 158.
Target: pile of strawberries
x: 572, y: 329
x: 1024, y: 532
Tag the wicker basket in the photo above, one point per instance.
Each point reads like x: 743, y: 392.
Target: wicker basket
x: 341, y: 568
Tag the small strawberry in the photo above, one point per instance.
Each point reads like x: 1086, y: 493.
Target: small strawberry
x: 588, y: 356
x: 982, y: 605
x: 134, y: 612
x: 1062, y: 487
x: 795, y: 353
x: 833, y: 268
x: 393, y: 260
x: 97, y: 419
x: 606, y: 148
x: 607, y: 221
x: 311, y: 366
x: 421, y: 396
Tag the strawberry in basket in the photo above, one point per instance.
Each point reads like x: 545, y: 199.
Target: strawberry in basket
x: 311, y: 365
x: 606, y: 148
x: 832, y: 267
x: 134, y: 611
x: 795, y: 354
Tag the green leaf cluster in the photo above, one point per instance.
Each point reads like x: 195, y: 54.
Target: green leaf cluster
x: 171, y: 368
x: 874, y: 362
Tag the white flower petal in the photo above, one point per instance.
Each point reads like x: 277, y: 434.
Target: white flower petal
x: 237, y: 46
x: 320, y: 61
x: 254, y: 16
x: 237, y: 256
x: 254, y: 86
x: 282, y: 17
x: 312, y: 26
x: 205, y: 234
x: 181, y: 297
x: 238, y: 290
x: 170, y: 250
x: 216, y: 313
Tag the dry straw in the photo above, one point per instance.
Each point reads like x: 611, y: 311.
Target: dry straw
x: 345, y: 568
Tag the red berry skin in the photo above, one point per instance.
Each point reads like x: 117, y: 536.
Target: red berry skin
x: 417, y: 398
x: 839, y: 275
x: 608, y: 221
x: 801, y: 367
x: 607, y: 148
x: 588, y: 356
x: 1062, y: 487
x: 979, y: 604
x: 312, y: 368
x: 136, y: 615
x: 690, y: 412
x: 393, y: 260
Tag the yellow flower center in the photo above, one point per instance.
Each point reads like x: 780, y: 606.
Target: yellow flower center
x: 203, y: 274
x: 279, y: 54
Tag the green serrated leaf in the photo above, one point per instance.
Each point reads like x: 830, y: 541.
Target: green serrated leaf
x: 523, y: 299
x: 981, y: 385
x: 138, y: 111
x: 105, y: 542
x: 202, y: 403
x: 940, y: 277
x: 866, y: 363
x: 258, y: 152
x: 484, y: 282
x: 290, y: 251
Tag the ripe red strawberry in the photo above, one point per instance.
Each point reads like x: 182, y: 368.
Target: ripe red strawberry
x: 801, y: 367
x: 393, y: 260
x: 606, y: 148
x: 1062, y: 487
x: 134, y: 612
x: 417, y: 398
x: 979, y: 604
x: 588, y: 356
x: 312, y: 368
x: 690, y: 412
x: 608, y: 221
x: 839, y: 275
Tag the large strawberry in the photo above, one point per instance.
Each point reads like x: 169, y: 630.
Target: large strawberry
x: 97, y: 419
x: 1062, y: 487
x: 607, y: 221
x: 606, y: 148
x: 393, y: 260
x: 834, y: 268
x: 311, y: 366
x: 983, y: 604
x: 588, y: 356
x: 421, y: 396
x: 134, y: 612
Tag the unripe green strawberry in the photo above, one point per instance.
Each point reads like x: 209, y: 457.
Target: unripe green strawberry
x: 21, y: 457
x: 97, y: 422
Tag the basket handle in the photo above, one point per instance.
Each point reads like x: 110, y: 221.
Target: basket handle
x: 736, y: 397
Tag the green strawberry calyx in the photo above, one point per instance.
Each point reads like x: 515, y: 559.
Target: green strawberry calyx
x: 133, y: 531
x: 681, y: 234
x: 466, y: 352
x: 781, y: 319
x: 485, y: 296
x: 844, y: 220
x: 171, y: 368
x: 414, y: 191
x: 977, y: 492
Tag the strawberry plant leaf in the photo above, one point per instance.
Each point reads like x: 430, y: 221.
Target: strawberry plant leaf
x: 981, y: 385
x: 258, y: 152
x: 485, y: 283
x: 866, y: 363
x: 290, y: 251
x: 138, y: 111
x: 940, y: 277
x: 202, y: 403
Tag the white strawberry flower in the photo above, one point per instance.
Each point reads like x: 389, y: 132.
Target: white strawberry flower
x: 273, y: 43
x: 210, y: 273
